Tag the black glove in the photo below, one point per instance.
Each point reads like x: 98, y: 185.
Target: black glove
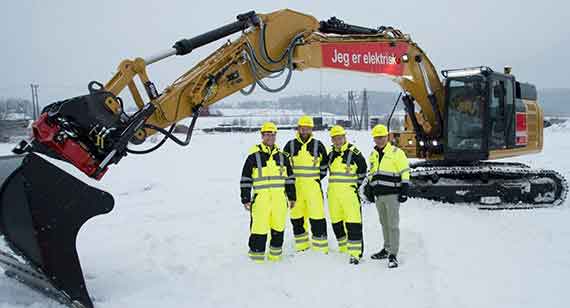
x: 368, y: 193
x: 403, y: 196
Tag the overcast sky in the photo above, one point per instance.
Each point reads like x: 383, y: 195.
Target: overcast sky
x: 64, y: 44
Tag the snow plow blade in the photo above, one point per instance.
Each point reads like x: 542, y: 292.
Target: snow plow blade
x: 42, y: 209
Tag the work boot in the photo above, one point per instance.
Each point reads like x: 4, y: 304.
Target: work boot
x: 354, y: 260
x: 392, y: 261
x: 382, y: 254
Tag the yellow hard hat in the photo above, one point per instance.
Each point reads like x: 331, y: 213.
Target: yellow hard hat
x: 269, y: 127
x: 379, y: 131
x: 306, y: 121
x: 337, y: 130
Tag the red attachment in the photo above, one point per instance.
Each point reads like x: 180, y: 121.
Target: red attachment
x: 44, y: 132
x: 522, y: 129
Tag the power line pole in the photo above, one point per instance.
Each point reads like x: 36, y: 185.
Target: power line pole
x: 35, y: 101
x: 353, y: 118
x: 364, y: 116
x: 321, y: 94
x: 349, y: 111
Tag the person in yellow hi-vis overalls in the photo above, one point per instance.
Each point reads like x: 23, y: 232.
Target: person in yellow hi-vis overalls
x: 309, y: 160
x: 388, y: 182
x: 269, y: 173
x: 347, y: 170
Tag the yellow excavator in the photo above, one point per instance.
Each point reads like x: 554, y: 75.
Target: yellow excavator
x: 456, y: 125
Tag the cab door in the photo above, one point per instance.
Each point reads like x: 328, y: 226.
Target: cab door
x: 501, y: 113
x: 465, y: 126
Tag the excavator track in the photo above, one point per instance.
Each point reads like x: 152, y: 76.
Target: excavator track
x: 490, y: 185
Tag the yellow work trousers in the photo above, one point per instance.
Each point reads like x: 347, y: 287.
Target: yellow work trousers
x: 346, y: 217
x: 268, y: 216
x: 309, y: 207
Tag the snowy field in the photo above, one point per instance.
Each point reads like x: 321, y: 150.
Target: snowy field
x: 178, y: 238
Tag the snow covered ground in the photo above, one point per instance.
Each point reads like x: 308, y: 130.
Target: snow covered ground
x: 178, y: 238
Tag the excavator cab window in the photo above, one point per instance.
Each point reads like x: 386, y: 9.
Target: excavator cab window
x: 501, y: 113
x: 466, y: 102
x: 480, y: 115
x: 497, y: 115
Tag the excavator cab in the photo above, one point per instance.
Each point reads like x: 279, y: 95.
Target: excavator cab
x: 485, y: 117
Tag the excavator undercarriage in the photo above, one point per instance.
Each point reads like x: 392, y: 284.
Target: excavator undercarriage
x: 488, y: 185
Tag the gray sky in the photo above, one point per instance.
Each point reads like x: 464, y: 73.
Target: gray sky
x: 64, y: 44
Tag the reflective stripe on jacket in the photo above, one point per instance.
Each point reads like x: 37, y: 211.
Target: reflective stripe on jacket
x: 266, y: 169
x: 347, y: 165
x: 309, y: 159
x: 389, y: 168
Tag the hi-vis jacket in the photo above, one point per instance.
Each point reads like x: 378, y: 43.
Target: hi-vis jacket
x: 266, y: 170
x: 309, y: 159
x: 389, y: 170
x: 347, y: 166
